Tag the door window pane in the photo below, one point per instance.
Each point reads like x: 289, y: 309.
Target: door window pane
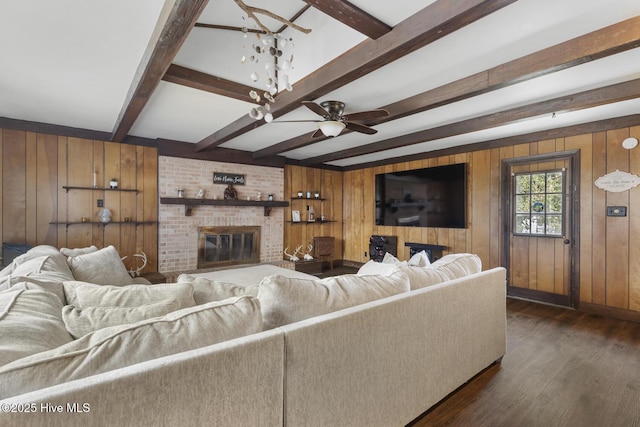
x: 538, y: 207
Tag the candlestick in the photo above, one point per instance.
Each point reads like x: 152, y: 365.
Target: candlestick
x: 95, y: 179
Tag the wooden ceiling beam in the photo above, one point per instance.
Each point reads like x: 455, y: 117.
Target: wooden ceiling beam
x: 431, y: 23
x: 181, y: 19
x: 352, y: 16
x: 588, y: 99
x: 544, y: 135
x: 598, y: 44
x: 206, y: 82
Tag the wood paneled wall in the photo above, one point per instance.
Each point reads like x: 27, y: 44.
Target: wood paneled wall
x: 36, y: 166
x: 329, y: 184
x: 609, y: 247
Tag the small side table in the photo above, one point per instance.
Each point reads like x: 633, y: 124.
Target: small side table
x: 155, y: 278
x: 313, y: 266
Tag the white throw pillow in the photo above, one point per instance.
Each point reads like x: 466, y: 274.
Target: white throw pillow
x: 372, y: 268
x: 103, y: 267
x: 118, y: 346
x: 78, y: 251
x: 30, y: 322
x: 419, y: 259
x: 205, y: 290
x: 286, y: 300
x: 90, y: 295
x: 82, y: 321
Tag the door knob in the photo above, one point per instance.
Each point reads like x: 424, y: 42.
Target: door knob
x: 566, y: 241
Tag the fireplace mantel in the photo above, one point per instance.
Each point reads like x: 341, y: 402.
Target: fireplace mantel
x: 189, y: 204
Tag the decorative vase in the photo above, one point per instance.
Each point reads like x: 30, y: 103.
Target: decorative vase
x: 105, y: 215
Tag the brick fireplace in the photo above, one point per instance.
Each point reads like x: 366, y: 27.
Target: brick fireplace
x: 178, y: 233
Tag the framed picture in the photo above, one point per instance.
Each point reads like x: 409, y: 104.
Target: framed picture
x: 295, y: 216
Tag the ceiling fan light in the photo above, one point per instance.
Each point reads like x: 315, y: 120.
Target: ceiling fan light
x: 331, y: 128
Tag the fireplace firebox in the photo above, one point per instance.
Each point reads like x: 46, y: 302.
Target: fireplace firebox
x: 222, y: 246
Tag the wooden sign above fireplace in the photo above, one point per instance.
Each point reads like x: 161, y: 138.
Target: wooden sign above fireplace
x: 228, y: 178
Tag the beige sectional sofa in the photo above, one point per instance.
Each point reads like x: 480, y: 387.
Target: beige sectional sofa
x: 374, y: 349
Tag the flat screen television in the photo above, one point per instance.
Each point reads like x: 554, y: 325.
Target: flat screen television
x: 429, y: 197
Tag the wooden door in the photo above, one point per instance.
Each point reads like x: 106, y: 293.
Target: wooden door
x: 539, y: 199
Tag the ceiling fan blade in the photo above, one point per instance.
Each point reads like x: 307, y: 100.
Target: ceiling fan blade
x: 366, y: 115
x: 315, y: 108
x: 317, y: 133
x: 296, y: 121
x: 360, y: 128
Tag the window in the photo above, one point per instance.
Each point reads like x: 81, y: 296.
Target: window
x: 539, y: 203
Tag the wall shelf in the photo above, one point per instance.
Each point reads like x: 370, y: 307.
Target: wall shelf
x: 103, y: 223
x: 189, y: 204
x: 312, y: 222
x: 69, y: 187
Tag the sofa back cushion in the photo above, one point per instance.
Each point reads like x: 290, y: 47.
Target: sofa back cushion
x: 206, y: 290
x: 103, y: 267
x: 83, y: 295
x: 119, y: 346
x: 422, y: 277
x: 449, y: 267
x: 459, y: 265
x: 35, y: 252
x: 78, y: 251
x: 42, y: 266
x: 30, y: 322
x: 82, y: 321
x: 286, y: 300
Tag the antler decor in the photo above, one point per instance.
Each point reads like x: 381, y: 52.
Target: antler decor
x: 307, y: 255
x: 135, y: 272
x: 292, y: 257
x: 251, y: 11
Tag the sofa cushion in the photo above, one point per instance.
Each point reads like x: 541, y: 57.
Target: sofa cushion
x: 420, y: 259
x: 30, y: 322
x: 449, y: 267
x: 103, y: 267
x: 35, y: 252
x: 391, y: 259
x: 124, y: 345
x: 372, y: 267
x: 459, y: 265
x: 81, y: 321
x: 286, y: 300
x: 54, y: 264
x: 39, y: 282
x: 46, y: 271
x: 78, y: 251
x: 422, y: 277
x: 205, y: 290
x: 83, y: 295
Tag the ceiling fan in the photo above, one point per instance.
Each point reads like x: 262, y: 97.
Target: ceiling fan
x: 335, y: 121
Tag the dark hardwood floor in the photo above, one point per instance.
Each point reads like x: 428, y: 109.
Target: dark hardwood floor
x: 562, y: 368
